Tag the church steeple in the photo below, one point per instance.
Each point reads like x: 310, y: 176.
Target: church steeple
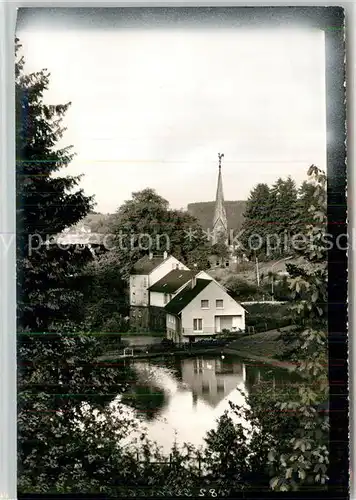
x: 220, y: 220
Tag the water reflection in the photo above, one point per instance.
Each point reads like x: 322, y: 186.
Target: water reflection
x: 211, y: 379
x: 180, y: 399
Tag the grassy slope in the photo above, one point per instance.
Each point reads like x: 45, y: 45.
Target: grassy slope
x: 267, y: 344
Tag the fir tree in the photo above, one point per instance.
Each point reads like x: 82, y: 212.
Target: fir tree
x: 283, y: 198
x: 45, y: 206
x: 303, y: 205
x: 256, y: 218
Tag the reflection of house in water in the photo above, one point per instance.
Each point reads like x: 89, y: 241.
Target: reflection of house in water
x: 212, y: 379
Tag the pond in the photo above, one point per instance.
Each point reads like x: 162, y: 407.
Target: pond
x: 181, y: 398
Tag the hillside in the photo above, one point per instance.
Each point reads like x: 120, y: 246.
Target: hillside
x: 204, y: 212
x: 247, y: 270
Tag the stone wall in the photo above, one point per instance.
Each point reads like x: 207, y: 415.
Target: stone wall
x: 139, y: 319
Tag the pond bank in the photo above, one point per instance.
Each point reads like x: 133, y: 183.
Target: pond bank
x: 265, y: 347
x: 193, y: 352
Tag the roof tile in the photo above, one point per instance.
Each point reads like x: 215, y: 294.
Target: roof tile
x: 180, y: 301
x: 172, y: 281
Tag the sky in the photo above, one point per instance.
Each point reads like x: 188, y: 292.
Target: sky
x: 154, y: 107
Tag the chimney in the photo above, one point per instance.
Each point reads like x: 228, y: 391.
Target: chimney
x: 194, y: 281
x: 150, y: 255
x: 165, y: 254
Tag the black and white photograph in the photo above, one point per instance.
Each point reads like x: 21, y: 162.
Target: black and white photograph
x: 181, y: 252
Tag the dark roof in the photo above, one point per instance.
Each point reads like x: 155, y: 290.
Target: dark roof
x: 172, y: 281
x: 178, y: 303
x: 145, y: 265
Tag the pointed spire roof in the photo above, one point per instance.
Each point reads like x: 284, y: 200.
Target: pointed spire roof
x: 220, y: 220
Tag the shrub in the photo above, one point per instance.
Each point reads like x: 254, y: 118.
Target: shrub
x: 240, y: 289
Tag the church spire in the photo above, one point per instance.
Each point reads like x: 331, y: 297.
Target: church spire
x: 220, y: 220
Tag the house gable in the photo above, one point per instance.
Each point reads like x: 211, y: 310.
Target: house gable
x: 211, y: 311
x: 214, y: 292
x: 165, y: 267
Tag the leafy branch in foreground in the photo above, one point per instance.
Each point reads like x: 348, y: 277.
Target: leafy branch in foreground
x: 302, y: 460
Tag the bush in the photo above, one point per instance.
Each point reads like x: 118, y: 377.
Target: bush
x: 166, y: 344
x: 116, y: 324
x: 241, y: 289
x: 268, y: 317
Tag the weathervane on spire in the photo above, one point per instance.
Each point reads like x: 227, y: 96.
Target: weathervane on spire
x: 220, y: 156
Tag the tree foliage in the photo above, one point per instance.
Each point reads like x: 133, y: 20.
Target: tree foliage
x: 256, y: 219
x: 301, y: 459
x: 273, y: 216
x: 146, y: 223
x: 106, y: 301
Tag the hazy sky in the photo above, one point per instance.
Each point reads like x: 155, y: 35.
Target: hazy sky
x: 153, y: 108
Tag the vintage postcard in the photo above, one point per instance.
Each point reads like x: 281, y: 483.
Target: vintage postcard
x: 181, y: 252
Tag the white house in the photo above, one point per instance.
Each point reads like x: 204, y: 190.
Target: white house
x: 147, y: 271
x: 202, y: 309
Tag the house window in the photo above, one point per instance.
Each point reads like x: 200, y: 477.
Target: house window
x: 204, y: 304
x: 177, y: 266
x: 145, y: 282
x: 198, y: 324
x: 219, y: 304
x: 198, y: 366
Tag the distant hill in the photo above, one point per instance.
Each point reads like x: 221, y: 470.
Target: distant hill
x: 96, y: 222
x: 204, y: 212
